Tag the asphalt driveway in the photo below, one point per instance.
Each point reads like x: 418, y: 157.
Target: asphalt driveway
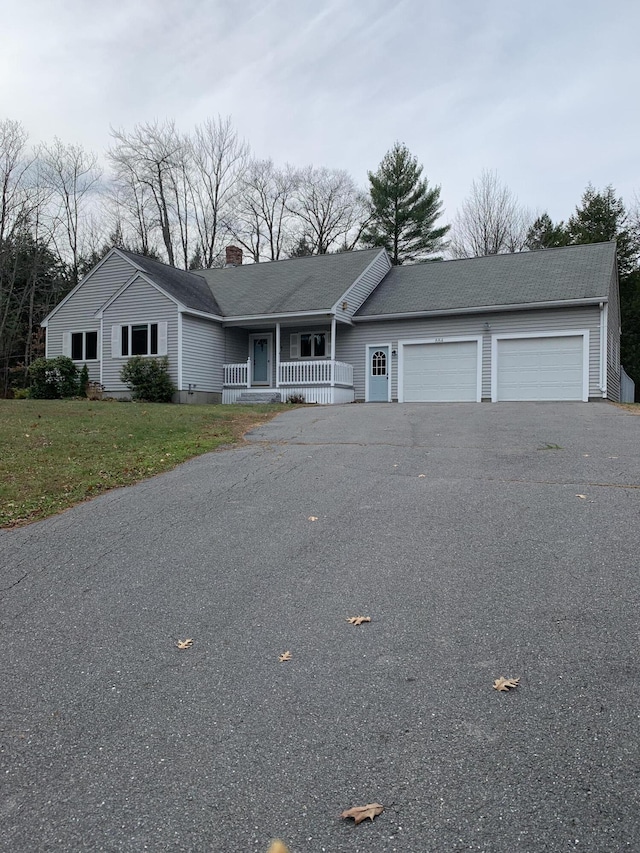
x: 482, y: 540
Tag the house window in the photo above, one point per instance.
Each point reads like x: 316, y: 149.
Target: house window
x: 309, y: 345
x: 379, y: 363
x: 84, y: 346
x: 140, y: 339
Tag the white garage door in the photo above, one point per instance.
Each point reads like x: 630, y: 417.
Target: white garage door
x: 540, y: 368
x: 440, y: 373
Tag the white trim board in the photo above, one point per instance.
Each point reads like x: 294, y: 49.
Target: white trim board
x: 569, y: 333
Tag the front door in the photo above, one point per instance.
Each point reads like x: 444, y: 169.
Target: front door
x: 260, y: 349
x: 379, y: 372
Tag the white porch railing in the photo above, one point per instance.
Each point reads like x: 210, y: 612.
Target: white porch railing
x: 237, y: 374
x: 315, y: 373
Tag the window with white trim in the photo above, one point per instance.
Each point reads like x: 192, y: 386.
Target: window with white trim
x: 140, y: 339
x: 81, y: 346
x: 309, y: 345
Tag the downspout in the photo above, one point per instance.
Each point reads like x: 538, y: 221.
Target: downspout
x: 101, y: 346
x: 604, y: 351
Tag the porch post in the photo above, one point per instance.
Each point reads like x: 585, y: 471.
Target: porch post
x: 333, y: 350
x: 249, y: 372
x: 277, y: 355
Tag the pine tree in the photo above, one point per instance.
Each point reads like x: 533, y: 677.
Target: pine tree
x: 602, y: 217
x: 302, y: 249
x: 545, y: 234
x: 404, y: 210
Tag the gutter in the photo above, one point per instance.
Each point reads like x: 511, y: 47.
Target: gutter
x: 272, y: 318
x: 481, y: 309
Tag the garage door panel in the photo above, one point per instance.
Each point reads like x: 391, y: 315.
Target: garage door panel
x: 440, y: 372
x: 546, y: 368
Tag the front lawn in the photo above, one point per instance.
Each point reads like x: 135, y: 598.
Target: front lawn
x: 55, y: 453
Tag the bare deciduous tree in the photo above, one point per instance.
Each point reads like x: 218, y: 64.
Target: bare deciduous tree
x: 218, y: 164
x: 330, y: 208
x: 15, y: 166
x: 145, y: 163
x: 70, y: 174
x: 177, y: 185
x: 263, y: 223
x: 490, y: 221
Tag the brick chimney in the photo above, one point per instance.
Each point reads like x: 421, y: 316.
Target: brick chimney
x: 234, y: 256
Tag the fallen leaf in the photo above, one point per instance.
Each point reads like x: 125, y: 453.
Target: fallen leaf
x: 278, y: 846
x: 285, y: 656
x: 184, y: 644
x: 358, y: 620
x: 582, y: 497
x: 505, y: 684
x: 312, y: 518
x: 421, y: 475
x: 360, y: 813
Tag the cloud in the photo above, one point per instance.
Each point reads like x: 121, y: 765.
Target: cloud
x: 537, y: 92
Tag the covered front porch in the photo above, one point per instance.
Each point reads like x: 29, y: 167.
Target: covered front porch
x: 297, y: 362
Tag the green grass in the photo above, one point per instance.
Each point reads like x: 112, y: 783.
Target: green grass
x: 55, y: 453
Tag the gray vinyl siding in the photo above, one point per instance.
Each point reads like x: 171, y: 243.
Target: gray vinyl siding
x: 78, y: 314
x: 203, y: 354
x: 364, y: 286
x: 352, y: 341
x: 236, y: 345
x: 139, y: 303
x: 613, y: 340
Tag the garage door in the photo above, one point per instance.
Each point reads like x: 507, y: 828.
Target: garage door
x: 440, y: 373
x: 540, y: 368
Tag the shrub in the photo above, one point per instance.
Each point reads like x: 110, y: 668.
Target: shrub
x: 83, y: 381
x: 94, y: 391
x: 21, y: 394
x: 148, y: 379
x: 296, y: 398
x: 53, y: 378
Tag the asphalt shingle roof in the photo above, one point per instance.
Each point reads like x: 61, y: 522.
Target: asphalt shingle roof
x: 312, y: 283
x: 188, y: 288
x: 548, y: 275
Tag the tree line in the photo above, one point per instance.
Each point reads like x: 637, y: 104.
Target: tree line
x: 182, y: 197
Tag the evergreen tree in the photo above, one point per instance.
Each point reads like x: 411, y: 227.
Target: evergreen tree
x: 544, y: 234
x: 602, y: 217
x: 302, y: 249
x: 404, y: 210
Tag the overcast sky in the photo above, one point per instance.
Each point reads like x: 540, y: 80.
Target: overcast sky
x: 545, y: 93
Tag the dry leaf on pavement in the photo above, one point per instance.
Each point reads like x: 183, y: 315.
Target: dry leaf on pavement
x: 184, y: 644
x: 285, y: 656
x: 312, y: 518
x: 358, y: 620
x: 278, y: 846
x: 582, y: 497
x: 360, y: 813
x: 503, y: 683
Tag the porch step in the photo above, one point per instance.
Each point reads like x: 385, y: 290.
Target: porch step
x: 254, y: 397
